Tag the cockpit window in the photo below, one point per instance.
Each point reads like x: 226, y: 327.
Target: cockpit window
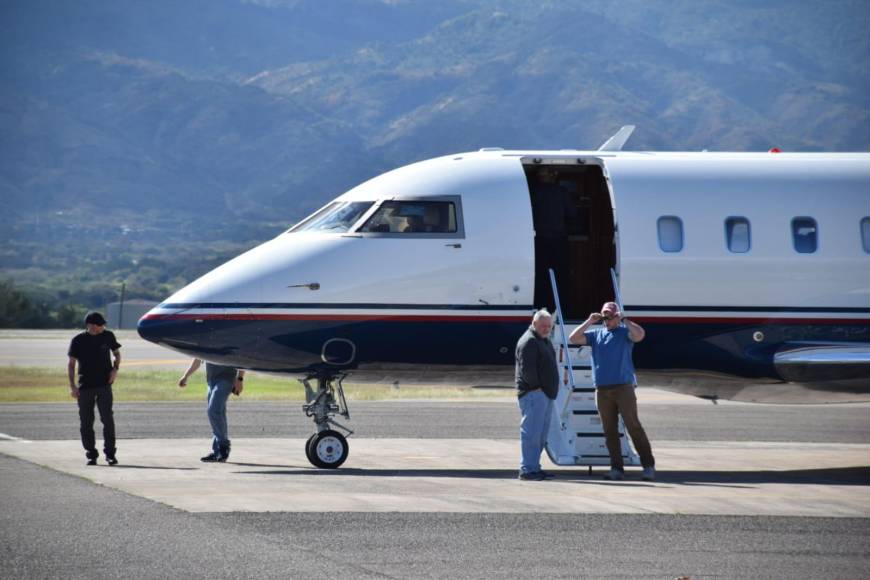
x: 413, y: 217
x: 337, y: 217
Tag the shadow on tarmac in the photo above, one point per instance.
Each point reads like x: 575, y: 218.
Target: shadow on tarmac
x: 122, y: 466
x: 858, y: 476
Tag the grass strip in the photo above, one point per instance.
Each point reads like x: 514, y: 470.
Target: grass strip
x: 50, y: 385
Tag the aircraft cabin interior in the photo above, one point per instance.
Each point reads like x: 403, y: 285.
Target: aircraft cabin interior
x: 574, y: 235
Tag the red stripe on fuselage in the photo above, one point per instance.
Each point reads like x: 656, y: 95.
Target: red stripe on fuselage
x: 509, y: 319
x: 747, y: 321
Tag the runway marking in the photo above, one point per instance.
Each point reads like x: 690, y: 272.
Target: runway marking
x: 163, y: 361
x: 5, y: 437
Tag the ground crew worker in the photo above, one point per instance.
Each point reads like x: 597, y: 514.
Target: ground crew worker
x: 613, y: 375
x: 537, y: 379
x: 97, y: 370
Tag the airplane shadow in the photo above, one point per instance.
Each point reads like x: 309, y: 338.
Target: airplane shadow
x: 853, y: 476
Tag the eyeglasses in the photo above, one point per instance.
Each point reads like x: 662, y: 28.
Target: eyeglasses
x: 607, y: 316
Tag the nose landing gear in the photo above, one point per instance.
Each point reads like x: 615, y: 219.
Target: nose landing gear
x: 327, y: 448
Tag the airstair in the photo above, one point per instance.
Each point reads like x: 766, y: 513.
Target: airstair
x: 576, y: 436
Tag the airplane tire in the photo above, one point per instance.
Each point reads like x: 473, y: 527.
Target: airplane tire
x: 309, y: 450
x: 328, y: 449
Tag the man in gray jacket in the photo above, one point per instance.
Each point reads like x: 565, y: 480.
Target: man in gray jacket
x: 537, y: 378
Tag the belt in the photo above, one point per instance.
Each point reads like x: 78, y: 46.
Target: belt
x: 524, y: 393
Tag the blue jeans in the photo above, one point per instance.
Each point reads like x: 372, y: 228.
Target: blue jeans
x: 218, y: 393
x: 536, y: 409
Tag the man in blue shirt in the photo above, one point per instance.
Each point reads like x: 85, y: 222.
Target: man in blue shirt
x: 613, y: 375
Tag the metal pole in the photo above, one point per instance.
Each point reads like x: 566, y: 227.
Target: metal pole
x: 121, y: 307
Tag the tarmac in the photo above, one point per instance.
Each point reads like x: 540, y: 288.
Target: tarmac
x: 476, y: 476
x: 429, y: 491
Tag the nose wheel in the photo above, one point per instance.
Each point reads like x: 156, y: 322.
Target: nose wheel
x: 328, y: 448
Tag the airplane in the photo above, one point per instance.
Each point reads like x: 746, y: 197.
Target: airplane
x: 749, y: 271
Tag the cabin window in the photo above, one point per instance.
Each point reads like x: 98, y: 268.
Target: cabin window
x: 670, y: 233
x: 336, y: 217
x: 737, y: 234
x: 420, y: 218
x: 865, y: 234
x: 805, y: 234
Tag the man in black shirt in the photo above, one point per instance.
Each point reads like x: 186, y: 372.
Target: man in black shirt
x: 97, y: 371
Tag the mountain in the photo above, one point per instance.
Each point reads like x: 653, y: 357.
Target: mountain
x: 162, y: 127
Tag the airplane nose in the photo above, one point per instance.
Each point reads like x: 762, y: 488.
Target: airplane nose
x: 175, y: 329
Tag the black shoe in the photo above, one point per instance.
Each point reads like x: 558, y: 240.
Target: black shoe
x: 210, y: 458
x: 111, y: 460
x: 531, y: 476
x: 614, y: 475
x: 546, y: 474
x: 224, y: 452
x: 91, y: 461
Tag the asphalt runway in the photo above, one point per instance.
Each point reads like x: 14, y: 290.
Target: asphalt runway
x: 46, y: 513
x: 41, y: 348
x: 407, y: 505
x: 53, y: 525
x: 678, y: 419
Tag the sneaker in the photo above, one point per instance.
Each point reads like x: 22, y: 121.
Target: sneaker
x: 210, y: 458
x: 649, y: 474
x: 91, y: 461
x: 531, y: 476
x: 224, y: 452
x: 111, y: 460
x: 614, y: 475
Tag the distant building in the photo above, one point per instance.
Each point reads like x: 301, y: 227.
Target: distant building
x: 133, y: 311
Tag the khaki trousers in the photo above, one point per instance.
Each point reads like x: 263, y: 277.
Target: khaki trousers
x: 613, y: 402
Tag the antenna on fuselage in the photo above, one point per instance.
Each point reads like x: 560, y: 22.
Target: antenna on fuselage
x: 616, y: 142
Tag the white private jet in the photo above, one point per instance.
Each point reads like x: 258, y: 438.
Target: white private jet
x: 749, y: 271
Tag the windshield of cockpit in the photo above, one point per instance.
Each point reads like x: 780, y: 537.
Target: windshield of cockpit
x: 336, y: 217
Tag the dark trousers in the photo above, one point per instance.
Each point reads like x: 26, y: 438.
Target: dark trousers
x: 613, y: 402
x: 102, y: 397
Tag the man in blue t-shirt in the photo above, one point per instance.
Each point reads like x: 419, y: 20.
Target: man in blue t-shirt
x: 613, y: 375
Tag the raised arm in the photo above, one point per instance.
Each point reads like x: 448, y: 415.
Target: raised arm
x: 579, y: 336
x: 636, y: 333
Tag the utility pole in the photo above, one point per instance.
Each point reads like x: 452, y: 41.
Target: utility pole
x: 121, y: 307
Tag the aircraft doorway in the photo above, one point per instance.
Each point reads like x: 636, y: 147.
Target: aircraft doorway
x: 574, y: 235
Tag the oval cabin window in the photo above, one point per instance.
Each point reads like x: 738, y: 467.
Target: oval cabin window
x: 805, y: 235
x: 737, y: 234
x: 670, y: 233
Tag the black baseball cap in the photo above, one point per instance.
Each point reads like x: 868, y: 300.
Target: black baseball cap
x: 95, y: 318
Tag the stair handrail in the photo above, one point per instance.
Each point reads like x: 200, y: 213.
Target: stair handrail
x: 567, y: 351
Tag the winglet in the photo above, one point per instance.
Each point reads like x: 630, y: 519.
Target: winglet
x: 616, y: 142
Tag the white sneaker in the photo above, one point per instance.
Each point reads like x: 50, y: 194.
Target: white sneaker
x: 649, y: 474
x: 614, y: 475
